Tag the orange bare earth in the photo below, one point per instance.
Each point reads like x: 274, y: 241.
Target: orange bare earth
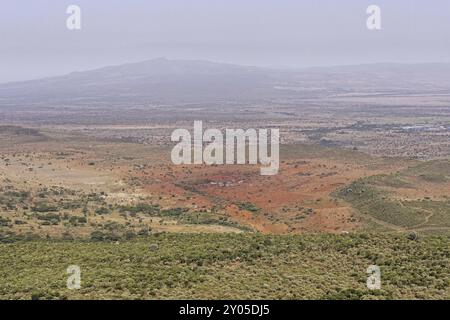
x: 299, y: 199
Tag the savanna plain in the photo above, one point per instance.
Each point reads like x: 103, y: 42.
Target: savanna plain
x: 86, y: 179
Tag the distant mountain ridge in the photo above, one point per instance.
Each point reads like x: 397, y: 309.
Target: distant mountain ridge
x: 186, y: 81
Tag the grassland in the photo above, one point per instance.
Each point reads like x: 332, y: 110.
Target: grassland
x: 229, y: 266
x: 141, y: 228
x: 414, y: 198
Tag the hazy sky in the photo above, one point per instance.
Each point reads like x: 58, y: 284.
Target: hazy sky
x: 34, y: 40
